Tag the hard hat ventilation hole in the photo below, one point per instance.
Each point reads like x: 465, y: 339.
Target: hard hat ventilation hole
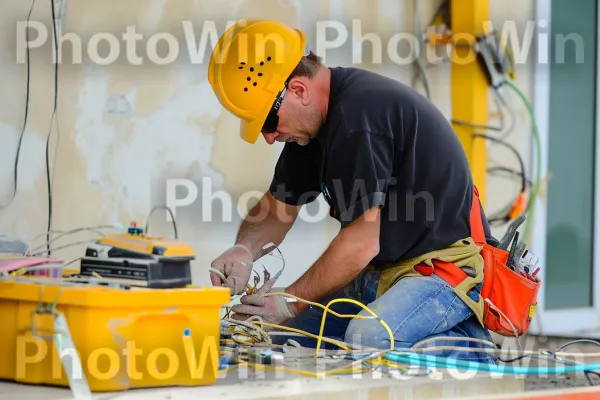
x: 260, y: 74
x: 245, y: 89
x: 248, y: 79
x: 262, y: 63
x: 252, y: 69
x: 268, y: 58
x: 255, y: 83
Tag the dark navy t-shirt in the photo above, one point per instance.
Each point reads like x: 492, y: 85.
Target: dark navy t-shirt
x: 384, y: 144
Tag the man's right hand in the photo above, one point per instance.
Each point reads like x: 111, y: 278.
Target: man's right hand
x: 236, y: 264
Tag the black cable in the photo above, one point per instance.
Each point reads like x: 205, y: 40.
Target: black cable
x: 511, y: 173
x: 498, y: 97
x: 503, y: 218
x: 161, y: 208
x: 591, y: 341
x: 27, y: 86
x: 511, y: 148
x: 443, y: 11
x: 534, y: 356
x: 48, y: 181
x: 518, y: 358
x: 587, y: 375
x: 499, y: 100
x: 477, y: 126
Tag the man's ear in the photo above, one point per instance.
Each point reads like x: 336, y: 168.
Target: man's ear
x: 298, y: 87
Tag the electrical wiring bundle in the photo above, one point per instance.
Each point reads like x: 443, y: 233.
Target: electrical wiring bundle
x: 251, y: 346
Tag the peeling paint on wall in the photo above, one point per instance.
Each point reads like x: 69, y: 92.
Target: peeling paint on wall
x: 176, y: 137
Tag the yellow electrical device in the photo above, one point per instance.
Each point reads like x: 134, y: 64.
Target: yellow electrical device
x: 139, y: 260
x: 123, y: 338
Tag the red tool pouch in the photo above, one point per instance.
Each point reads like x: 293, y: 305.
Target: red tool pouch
x: 510, y: 298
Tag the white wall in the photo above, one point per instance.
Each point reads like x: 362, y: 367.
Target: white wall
x: 125, y: 130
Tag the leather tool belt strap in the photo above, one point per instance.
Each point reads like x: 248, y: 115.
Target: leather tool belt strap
x: 509, y: 299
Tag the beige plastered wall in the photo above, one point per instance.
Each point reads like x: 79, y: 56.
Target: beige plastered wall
x: 125, y: 130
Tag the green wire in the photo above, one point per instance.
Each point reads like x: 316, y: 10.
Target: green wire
x: 536, y: 185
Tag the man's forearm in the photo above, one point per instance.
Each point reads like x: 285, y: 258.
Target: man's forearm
x: 268, y: 222
x: 348, y: 254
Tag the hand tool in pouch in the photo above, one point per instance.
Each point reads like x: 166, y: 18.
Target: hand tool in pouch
x: 510, y: 232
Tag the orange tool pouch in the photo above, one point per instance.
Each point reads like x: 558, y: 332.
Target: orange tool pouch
x: 509, y: 298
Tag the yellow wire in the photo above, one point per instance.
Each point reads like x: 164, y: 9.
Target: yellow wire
x: 334, y: 301
x: 316, y: 305
x: 345, y: 369
x: 248, y: 325
x: 388, y: 363
x: 285, y: 328
x: 326, y: 309
x: 246, y: 334
x: 254, y: 339
x: 307, y: 373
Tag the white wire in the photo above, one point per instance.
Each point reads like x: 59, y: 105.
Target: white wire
x: 293, y: 343
x: 254, y: 328
x: 95, y: 229
x: 43, y: 246
x: 508, y: 320
x: 218, y: 273
x: 262, y: 254
x: 66, y: 246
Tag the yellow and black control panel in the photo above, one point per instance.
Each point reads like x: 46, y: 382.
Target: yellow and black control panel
x: 139, y: 260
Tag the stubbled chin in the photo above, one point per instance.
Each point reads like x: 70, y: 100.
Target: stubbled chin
x: 290, y: 139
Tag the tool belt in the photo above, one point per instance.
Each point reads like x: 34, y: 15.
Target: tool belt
x: 509, y: 298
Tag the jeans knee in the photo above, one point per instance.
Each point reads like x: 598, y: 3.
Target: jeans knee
x: 367, y: 333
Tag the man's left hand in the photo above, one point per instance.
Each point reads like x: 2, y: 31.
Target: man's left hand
x: 272, y: 309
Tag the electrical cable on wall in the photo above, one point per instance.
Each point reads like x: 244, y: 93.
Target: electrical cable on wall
x: 509, y: 173
x: 49, y: 180
x: 500, y: 74
x: 27, y: 90
x: 505, y: 216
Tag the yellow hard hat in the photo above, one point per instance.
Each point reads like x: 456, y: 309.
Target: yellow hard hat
x: 249, y: 68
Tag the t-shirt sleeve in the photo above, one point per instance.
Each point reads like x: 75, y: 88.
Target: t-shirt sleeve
x: 296, y: 177
x: 359, y: 173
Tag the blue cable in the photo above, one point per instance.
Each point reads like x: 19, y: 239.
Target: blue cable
x: 442, y: 362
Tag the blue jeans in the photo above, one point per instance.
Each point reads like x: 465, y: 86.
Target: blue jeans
x: 415, y: 308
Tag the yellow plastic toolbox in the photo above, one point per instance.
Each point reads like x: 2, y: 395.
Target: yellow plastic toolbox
x: 124, y: 338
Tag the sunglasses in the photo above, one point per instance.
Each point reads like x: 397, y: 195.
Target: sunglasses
x: 270, y: 125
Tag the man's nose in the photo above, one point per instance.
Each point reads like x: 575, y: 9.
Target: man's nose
x: 270, y: 137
